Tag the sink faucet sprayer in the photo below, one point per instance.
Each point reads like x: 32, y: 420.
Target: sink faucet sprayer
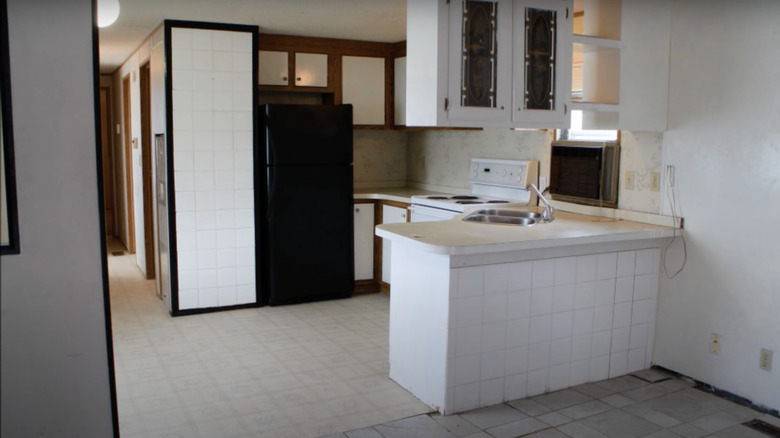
x: 547, y: 216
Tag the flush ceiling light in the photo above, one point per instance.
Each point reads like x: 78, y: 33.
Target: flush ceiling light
x: 108, y: 12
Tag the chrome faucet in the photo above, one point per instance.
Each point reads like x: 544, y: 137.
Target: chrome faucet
x: 547, y: 216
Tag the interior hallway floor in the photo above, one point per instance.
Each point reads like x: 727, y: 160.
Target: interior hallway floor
x: 291, y: 371
x: 320, y: 369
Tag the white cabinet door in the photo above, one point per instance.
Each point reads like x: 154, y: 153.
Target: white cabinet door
x: 272, y: 68
x: 399, y: 103
x: 364, y: 241
x: 390, y: 215
x: 311, y: 70
x: 363, y: 85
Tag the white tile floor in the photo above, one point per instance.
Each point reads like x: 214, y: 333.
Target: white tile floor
x: 321, y: 368
x: 293, y: 371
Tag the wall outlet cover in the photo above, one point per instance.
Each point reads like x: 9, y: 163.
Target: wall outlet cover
x: 715, y: 343
x: 765, y: 360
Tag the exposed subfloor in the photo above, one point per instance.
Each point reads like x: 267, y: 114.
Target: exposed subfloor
x: 320, y: 369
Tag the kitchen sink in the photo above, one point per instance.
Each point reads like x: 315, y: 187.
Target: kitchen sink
x: 505, y: 217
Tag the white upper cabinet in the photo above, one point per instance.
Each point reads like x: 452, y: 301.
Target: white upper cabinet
x: 363, y: 85
x: 488, y: 63
x: 311, y: 69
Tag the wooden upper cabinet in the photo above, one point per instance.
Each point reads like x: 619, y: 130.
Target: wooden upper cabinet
x: 273, y: 68
x: 311, y: 70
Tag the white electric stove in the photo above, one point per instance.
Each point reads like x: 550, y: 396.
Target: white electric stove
x: 495, y: 183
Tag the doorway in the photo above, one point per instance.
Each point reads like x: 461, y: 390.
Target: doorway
x: 146, y: 170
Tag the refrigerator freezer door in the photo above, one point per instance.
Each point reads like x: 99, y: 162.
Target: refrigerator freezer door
x: 308, y: 234
x: 302, y: 135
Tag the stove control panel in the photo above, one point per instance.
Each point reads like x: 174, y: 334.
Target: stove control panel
x: 503, y: 173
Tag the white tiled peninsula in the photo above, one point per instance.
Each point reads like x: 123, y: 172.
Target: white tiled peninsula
x: 485, y: 313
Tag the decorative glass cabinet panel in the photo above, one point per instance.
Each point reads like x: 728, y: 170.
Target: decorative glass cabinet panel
x: 540, y: 59
x: 478, y: 75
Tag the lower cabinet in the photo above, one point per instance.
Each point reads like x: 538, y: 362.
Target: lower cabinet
x: 364, y: 241
x: 392, y: 213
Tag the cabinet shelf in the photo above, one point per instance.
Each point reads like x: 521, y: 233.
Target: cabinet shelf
x: 596, y: 41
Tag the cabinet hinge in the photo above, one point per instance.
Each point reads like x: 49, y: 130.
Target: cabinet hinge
x: 446, y: 104
x: 567, y: 13
x: 565, y: 109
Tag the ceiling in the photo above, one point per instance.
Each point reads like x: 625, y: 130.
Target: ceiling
x: 370, y: 20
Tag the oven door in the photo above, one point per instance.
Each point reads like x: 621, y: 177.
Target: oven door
x: 420, y: 213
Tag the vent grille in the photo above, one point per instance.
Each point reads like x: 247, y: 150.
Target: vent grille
x: 763, y: 427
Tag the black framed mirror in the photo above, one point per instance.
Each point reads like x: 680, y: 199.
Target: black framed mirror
x: 9, y: 223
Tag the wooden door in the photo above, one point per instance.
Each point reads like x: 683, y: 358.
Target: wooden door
x: 146, y: 169
x: 128, y: 140
x: 108, y: 161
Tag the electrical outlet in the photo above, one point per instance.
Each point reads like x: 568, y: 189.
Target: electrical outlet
x: 765, y: 360
x: 715, y: 344
x: 629, y: 182
x: 655, y: 181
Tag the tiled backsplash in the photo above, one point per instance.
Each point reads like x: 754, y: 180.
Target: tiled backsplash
x: 522, y: 329
x: 213, y: 138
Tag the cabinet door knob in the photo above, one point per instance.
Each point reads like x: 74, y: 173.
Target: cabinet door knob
x: 284, y: 78
x: 298, y: 79
x: 357, y: 210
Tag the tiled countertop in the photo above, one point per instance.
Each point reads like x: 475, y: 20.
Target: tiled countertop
x: 457, y: 237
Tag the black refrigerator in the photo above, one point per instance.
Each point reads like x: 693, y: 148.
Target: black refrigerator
x: 305, y: 237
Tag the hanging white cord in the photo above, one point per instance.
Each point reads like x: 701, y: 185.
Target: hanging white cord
x: 673, y: 204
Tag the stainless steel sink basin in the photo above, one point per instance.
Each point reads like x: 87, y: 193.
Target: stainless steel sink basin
x: 505, y: 217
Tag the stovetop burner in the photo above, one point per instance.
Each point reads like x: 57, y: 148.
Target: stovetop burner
x: 469, y: 202
x: 436, y: 197
x: 463, y: 197
x: 497, y: 201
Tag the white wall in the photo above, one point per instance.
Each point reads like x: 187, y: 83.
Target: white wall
x: 55, y: 380
x: 724, y: 126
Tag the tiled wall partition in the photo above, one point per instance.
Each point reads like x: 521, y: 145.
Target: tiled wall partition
x: 522, y: 329
x: 212, y: 155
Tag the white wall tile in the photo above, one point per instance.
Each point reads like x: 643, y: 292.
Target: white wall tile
x: 242, y: 64
x: 223, y: 81
x: 203, y: 122
x: 206, y: 220
x: 226, y: 257
x: 542, y: 301
x: 204, y: 160
x: 560, y: 351
x: 201, y: 39
x: 518, y: 332
x: 645, y: 286
x: 243, y: 160
x: 223, y: 40
x: 243, y: 141
x: 495, y: 279
x: 184, y: 181
x: 226, y: 219
x: 182, y: 120
x: 495, y: 308
x: 471, y: 281
x: 204, y: 180
x: 223, y: 61
x: 202, y: 60
x: 605, y: 292
x: 223, y: 121
x: 208, y: 297
x: 621, y: 315
x: 182, y: 80
x: 618, y: 364
x: 468, y: 311
x: 583, y: 322
x: 624, y: 289
x: 188, y: 260
x: 620, y: 338
x: 185, y: 202
x: 228, y: 296
x: 188, y: 279
x: 586, y: 268
x: 207, y: 239
x: 641, y: 311
x: 245, y: 256
x: 467, y: 369
x: 580, y: 372
x: 565, y: 270
x: 242, y: 121
x: 242, y: 81
x: 242, y: 42
x: 492, y: 365
x: 585, y: 295
x: 563, y: 297
x: 186, y: 222
x: 602, y: 318
x: 224, y: 160
x: 223, y: 101
x: 626, y: 261
x: 226, y: 277
x: 188, y: 299
x: 182, y: 59
x: 516, y: 360
x: 515, y: 386
x: 202, y: 100
x: 466, y: 397
x: 202, y: 81
x: 491, y: 392
x: 224, y: 182
x: 207, y: 259
x: 607, y: 266
x: 226, y: 238
x: 601, y: 344
x: 244, y: 180
x: 636, y: 360
x: 647, y: 261
x: 537, y: 382
x: 581, y: 347
x: 467, y: 340
x: 223, y: 141
x: 494, y: 336
x: 245, y: 275
x: 541, y: 328
x: 543, y: 273
x: 246, y: 294
x: 205, y: 201
x: 245, y: 238
x: 562, y: 325
x: 519, y: 304
x: 538, y: 356
x: 182, y: 99
x: 203, y: 141
x: 184, y: 141
x: 245, y: 218
x: 559, y: 377
x: 599, y: 368
x: 638, y: 337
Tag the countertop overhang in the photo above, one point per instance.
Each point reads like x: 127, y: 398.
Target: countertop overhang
x: 458, y: 237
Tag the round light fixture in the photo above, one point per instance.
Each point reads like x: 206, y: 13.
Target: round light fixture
x: 108, y: 12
